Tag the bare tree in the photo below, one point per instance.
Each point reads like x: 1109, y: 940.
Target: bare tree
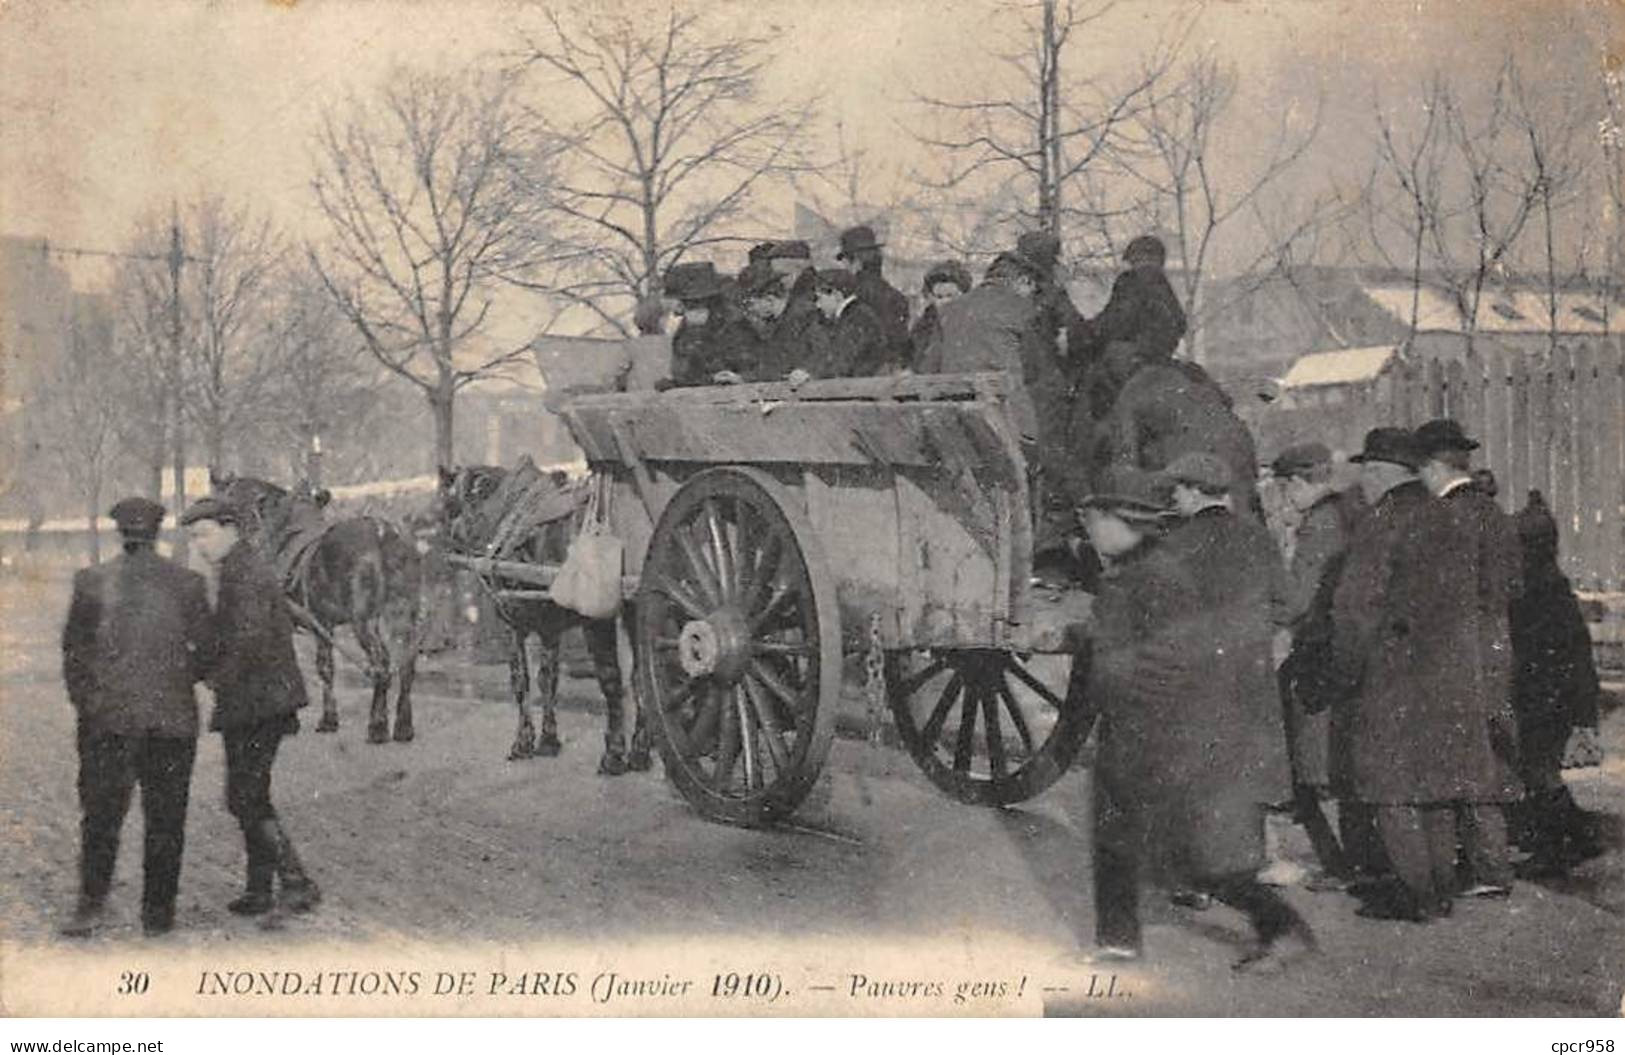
x: 324, y: 393
x: 228, y: 365
x: 1550, y: 125
x: 423, y: 219
x: 1406, y: 186
x: 1184, y: 189
x: 666, y: 141
x: 1056, y: 126
x: 1611, y: 144
x: 81, y: 411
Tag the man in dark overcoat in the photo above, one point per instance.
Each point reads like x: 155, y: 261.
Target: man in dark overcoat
x: 1143, y: 309
x: 1407, y: 730
x: 860, y: 252
x: 258, y: 691
x: 712, y: 345
x: 945, y: 282
x: 1190, y: 736
x: 1165, y: 408
x: 1488, y: 535
x: 1555, y: 691
x: 136, y: 639
x: 1326, y: 520
x: 844, y: 339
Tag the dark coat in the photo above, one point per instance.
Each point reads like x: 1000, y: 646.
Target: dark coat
x: 783, y: 344
x: 252, y: 672
x: 1171, y: 408
x: 891, y: 310
x: 1317, y: 558
x: 699, y: 353
x: 1143, y: 310
x: 992, y: 328
x: 138, y: 635
x: 1191, y: 724
x: 1409, y: 728
x: 1554, y: 683
x: 853, y: 344
x: 927, y: 329
x: 1492, y: 541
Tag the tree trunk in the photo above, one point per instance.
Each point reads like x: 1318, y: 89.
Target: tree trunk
x: 440, y: 405
x: 93, y: 544
x: 178, y: 449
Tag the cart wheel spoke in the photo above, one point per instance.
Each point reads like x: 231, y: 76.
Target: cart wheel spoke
x: 772, y: 733
x: 698, y: 566
x: 691, y: 605
x: 994, y: 735
x: 1020, y: 670
x: 945, y: 703
x: 783, y: 648
x: 727, y: 743
x: 912, y: 684
x: 749, y: 728
x: 1016, y: 717
x: 965, y: 744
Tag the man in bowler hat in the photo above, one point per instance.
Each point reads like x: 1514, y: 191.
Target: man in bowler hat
x: 860, y: 252
x: 137, y: 637
x: 1489, y: 537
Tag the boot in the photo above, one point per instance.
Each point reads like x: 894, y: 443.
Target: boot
x: 87, y: 919
x: 256, y: 899
x: 299, y: 892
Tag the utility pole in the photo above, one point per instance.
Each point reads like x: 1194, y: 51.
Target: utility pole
x: 178, y: 445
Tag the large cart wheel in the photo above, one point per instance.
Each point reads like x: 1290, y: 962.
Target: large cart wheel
x: 989, y: 727
x: 739, y: 638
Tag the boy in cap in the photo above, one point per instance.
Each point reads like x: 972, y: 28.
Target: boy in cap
x: 1408, y: 739
x: 1488, y: 536
x: 258, y: 691
x: 137, y: 637
x: 1326, y: 518
x: 946, y: 281
x: 1188, y: 753
x: 860, y: 252
x: 846, y: 339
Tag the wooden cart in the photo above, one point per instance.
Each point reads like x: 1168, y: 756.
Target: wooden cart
x: 772, y: 535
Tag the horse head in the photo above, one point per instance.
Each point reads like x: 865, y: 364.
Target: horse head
x: 264, y: 508
x: 464, y: 493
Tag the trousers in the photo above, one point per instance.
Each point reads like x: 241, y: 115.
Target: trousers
x: 1420, y: 842
x: 111, y: 766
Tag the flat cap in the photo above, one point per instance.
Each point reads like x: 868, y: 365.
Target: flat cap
x: 760, y: 280
x: 1012, y: 264
x: 1200, y: 469
x: 1442, y: 434
x: 137, y: 517
x: 1301, y: 458
x: 1131, y: 493
x: 835, y: 279
x: 947, y: 271
x: 1389, y: 445
x: 210, y: 508
x: 794, y: 249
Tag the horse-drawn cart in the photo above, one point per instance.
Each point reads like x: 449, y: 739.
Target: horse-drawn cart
x: 771, y: 533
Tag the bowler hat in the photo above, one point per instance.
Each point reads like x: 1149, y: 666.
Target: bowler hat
x: 947, y: 271
x: 857, y: 239
x: 1146, y: 247
x: 1040, y: 248
x: 692, y: 281
x: 209, y: 508
x: 137, y: 517
x: 1200, y: 469
x: 1442, y: 434
x: 1389, y: 445
x: 1130, y: 493
x: 1301, y: 458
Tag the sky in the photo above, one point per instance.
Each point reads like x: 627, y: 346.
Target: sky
x: 110, y: 109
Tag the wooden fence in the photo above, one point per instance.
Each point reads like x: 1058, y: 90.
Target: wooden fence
x: 1553, y: 423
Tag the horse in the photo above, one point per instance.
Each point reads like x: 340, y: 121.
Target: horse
x: 478, y: 515
x: 360, y: 571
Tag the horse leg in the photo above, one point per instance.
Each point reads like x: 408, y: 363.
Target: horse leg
x: 366, y: 636
x: 600, y: 635
x: 547, y: 684
x: 637, y: 759
x: 406, y: 670
x: 524, y: 741
x: 324, y: 671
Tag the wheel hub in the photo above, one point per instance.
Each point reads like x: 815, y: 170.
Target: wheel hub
x: 716, y: 645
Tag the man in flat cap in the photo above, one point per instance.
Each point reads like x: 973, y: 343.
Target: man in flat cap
x: 1190, y: 738
x: 1407, y: 736
x: 710, y: 346
x: 258, y: 691
x: 137, y: 637
x: 845, y: 339
x: 1326, y: 520
x: 860, y: 252
x: 1487, y: 534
